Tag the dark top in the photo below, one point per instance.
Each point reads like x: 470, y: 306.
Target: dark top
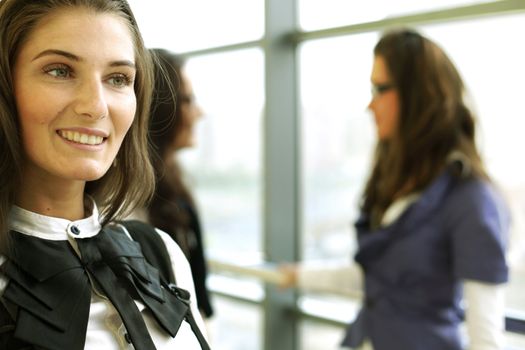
x: 191, y: 242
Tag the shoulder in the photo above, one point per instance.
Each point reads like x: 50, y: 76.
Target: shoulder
x: 173, y: 248
x: 476, y: 196
x: 146, y: 233
x: 153, y: 237
x: 477, y: 222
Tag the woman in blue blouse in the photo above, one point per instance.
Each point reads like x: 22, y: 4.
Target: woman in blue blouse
x: 432, y: 229
x: 431, y: 226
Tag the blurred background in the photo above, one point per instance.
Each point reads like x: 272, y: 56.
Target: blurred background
x: 285, y: 143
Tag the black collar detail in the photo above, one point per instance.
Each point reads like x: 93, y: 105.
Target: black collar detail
x: 50, y: 285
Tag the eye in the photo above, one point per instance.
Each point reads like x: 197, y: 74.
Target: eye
x: 120, y: 80
x: 379, y: 89
x: 58, y: 71
x: 186, y: 98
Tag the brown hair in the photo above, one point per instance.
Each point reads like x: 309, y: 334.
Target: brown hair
x: 433, y: 121
x: 165, y: 124
x: 117, y: 193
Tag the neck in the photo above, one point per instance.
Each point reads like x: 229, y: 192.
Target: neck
x: 61, y: 199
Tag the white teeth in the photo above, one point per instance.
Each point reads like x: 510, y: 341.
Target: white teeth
x: 84, y: 139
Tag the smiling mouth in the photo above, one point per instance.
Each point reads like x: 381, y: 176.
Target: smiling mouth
x: 81, y: 138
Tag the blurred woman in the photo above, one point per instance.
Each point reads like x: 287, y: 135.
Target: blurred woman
x: 174, y: 113
x: 432, y: 229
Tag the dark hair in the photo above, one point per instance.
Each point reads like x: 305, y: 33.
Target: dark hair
x: 117, y: 193
x: 165, y: 123
x: 433, y: 121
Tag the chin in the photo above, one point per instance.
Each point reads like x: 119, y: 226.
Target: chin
x: 183, y: 145
x: 90, y: 174
x: 383, y: 135
x: 90, y: 177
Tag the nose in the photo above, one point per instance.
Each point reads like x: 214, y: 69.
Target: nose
x: 199, y: 113
x: 371, y: 104
x: 91, y: 100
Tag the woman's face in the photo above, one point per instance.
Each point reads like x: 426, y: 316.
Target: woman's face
x: 190, y: 113
x: 385, y: 100
x: 73, y: 86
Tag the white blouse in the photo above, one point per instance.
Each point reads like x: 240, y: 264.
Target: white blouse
x: 105, y: 328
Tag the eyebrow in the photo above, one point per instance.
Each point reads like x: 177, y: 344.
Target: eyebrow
x: 57, y: 52
x: 75, y: 58
x: 123, y: 63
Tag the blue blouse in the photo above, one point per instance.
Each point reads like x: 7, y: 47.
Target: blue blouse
x: 456, y: 230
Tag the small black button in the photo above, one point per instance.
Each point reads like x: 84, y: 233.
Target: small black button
x: 75, y: 230
x: 181, y: 294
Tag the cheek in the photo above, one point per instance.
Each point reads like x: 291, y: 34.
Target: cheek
x: 126, y: 117
x: 185, y: 114
x: 386, y: 113
x: 33, y: 108
x: 35, y: 117
x: 394, y: 114
x: 391, y: 112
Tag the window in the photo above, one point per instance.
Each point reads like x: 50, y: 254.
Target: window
x: 226, y: 165
x: 337, y: 139
x: 237, y: 326
x: 183, y: 26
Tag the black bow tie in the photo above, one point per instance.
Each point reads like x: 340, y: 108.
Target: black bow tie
x: 50, y: 285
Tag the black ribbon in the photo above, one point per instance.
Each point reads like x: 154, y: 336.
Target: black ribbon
x: 50, y: 285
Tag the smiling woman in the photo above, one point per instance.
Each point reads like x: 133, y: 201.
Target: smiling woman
x: 73, y: 117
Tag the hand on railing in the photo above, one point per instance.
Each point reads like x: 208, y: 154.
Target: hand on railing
x: 289, y: 274
x: 342, y: 280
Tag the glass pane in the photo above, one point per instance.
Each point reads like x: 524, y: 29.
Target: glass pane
x: 181, y: 25
x: 331, y: 307
x: 315, y: 335
x: 225, y: 167
x: 235, y: 326
x: 337, y: 139
x: 320, y: 14
x: 238, y: 286
x: 514, y: 341
x: 492, y: 66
